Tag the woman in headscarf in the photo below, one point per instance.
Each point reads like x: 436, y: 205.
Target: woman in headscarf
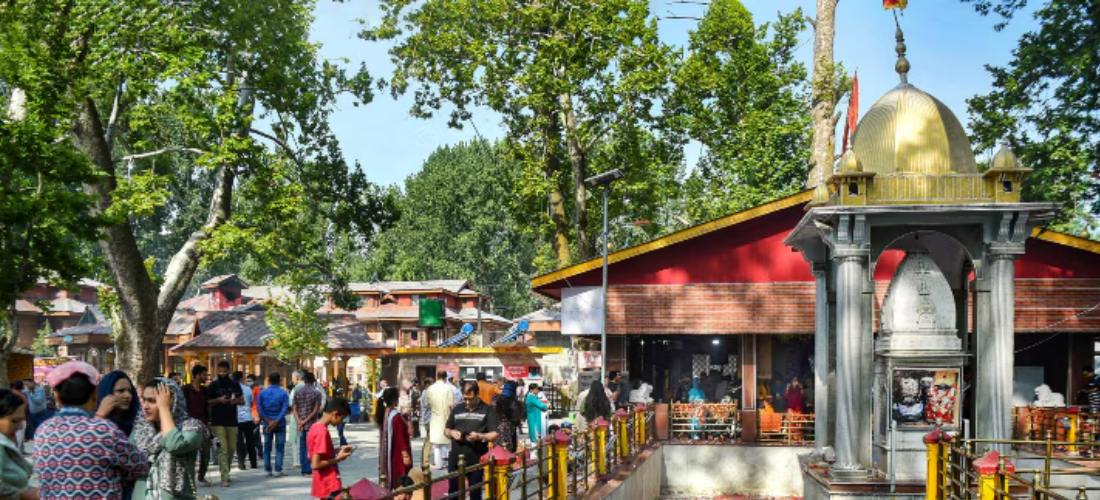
x: 394, y: 444
x: 508, y: 416
x: 171, y: 439
x: 118, y: 401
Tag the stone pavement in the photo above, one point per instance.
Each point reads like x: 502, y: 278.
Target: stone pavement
x: 254, y: 485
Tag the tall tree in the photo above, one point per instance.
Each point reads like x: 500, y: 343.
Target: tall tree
x: 562, y: 75
x: 459, y: 219
x: 228, y: 92
x: 743, y: 96
x: 1046, y: 103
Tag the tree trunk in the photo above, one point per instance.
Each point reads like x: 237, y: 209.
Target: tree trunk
x: 551, y: 162
x: 823, y: 94
x: 147, y: 309
x: 578, y: 160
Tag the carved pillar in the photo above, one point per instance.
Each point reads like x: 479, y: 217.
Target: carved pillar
x: 849, y: 365
x: 821, y: 355
x: 996, y: 344
x: 853, y: 401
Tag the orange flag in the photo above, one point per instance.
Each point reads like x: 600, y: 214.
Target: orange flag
x: 853, y: 113
x: 894, y: 4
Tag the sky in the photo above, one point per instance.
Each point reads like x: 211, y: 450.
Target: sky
x: 948, y: 47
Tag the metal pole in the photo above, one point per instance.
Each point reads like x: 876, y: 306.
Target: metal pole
x: 603, y: 324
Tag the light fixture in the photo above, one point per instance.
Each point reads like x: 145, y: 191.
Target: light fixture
x: 715, y: 341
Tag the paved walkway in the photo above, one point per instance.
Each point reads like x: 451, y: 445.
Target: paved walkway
x: 253, y: 484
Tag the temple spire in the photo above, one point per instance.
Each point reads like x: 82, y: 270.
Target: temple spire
x: 902, y: 66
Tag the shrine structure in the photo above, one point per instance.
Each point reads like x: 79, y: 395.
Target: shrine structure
x: 910, y: 182
x: 912, y: 291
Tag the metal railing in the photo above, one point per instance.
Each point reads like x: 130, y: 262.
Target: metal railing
x: 711, y: 421
x: 1070, y: 424
x: 964, y: 469
x: 559, y: 467
x: 791, y: 429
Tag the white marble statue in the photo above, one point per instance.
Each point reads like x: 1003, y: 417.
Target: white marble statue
x: 1046, y: 398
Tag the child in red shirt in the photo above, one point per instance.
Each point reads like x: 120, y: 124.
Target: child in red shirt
x: 322, y: 455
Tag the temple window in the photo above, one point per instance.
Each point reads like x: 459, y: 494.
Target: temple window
x: 853, y: 188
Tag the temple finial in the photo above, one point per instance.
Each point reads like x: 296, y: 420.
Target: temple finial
x: 902, y: 66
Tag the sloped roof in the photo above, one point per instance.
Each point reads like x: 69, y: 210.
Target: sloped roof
x: 237, y: 329
x: 223, y: 279
x: 672, y: 239
x: 86, y: 329
x: 452, y: 286
x: 552, y: 313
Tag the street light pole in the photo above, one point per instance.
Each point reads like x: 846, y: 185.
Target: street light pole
x: 603, y: 291
x: 605, y: 179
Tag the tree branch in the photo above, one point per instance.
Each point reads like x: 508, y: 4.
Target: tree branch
x: 173, y: 149
x: 278, y: 142
x: 181, y: 269
x: 112, y: 120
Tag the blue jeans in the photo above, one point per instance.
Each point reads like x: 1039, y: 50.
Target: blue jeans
x: 278, y: 440
x: 303, y: 454
x: 340, y: 432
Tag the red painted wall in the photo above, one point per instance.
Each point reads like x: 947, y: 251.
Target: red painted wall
x: 749, y: 252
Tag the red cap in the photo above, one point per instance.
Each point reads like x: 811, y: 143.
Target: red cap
x: 987, y: 464
x: 934, y: 437
x: 640, y: 408
x: 561, y: 437
x: 499, y: 455
x: 602, y: 423
x: 620, y: 413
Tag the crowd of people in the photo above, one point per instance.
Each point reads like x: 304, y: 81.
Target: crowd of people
x: 459, y: 423
x: 107, y: 437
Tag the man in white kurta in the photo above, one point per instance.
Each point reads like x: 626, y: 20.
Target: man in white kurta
x: 441, y: 399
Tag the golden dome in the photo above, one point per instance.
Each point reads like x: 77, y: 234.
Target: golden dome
x: 1005, y: 159
x: 907, y: 131
x: 849, y: 163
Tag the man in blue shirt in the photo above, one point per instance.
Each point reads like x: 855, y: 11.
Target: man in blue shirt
x: 36, y: 406
x: 272, y: 406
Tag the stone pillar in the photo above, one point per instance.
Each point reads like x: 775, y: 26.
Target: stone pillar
x: 821, y: 355
x: 996, y: 344
x: 850, y: 405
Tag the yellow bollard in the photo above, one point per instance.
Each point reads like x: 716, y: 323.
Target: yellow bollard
x: 561, y: 465
x: 601, y: 446
x: 622, y: 439
x: 639, y: 426
x: 945, y: 465
x: 931, y: 486
x: 1071, y: 434
x: 498, y: 464
x: 991, y: 467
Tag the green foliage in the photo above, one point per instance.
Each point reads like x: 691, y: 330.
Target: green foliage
x: 40, y: 347
x: 569, y: 79
x: 172, y: 101
x: 1046, y: 103
x: 459, y: 220
x: 43, y: 213
x: 744, y: 97
x: 298, y: 331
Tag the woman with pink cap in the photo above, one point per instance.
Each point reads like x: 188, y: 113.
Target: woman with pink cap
x: 76, y: 454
